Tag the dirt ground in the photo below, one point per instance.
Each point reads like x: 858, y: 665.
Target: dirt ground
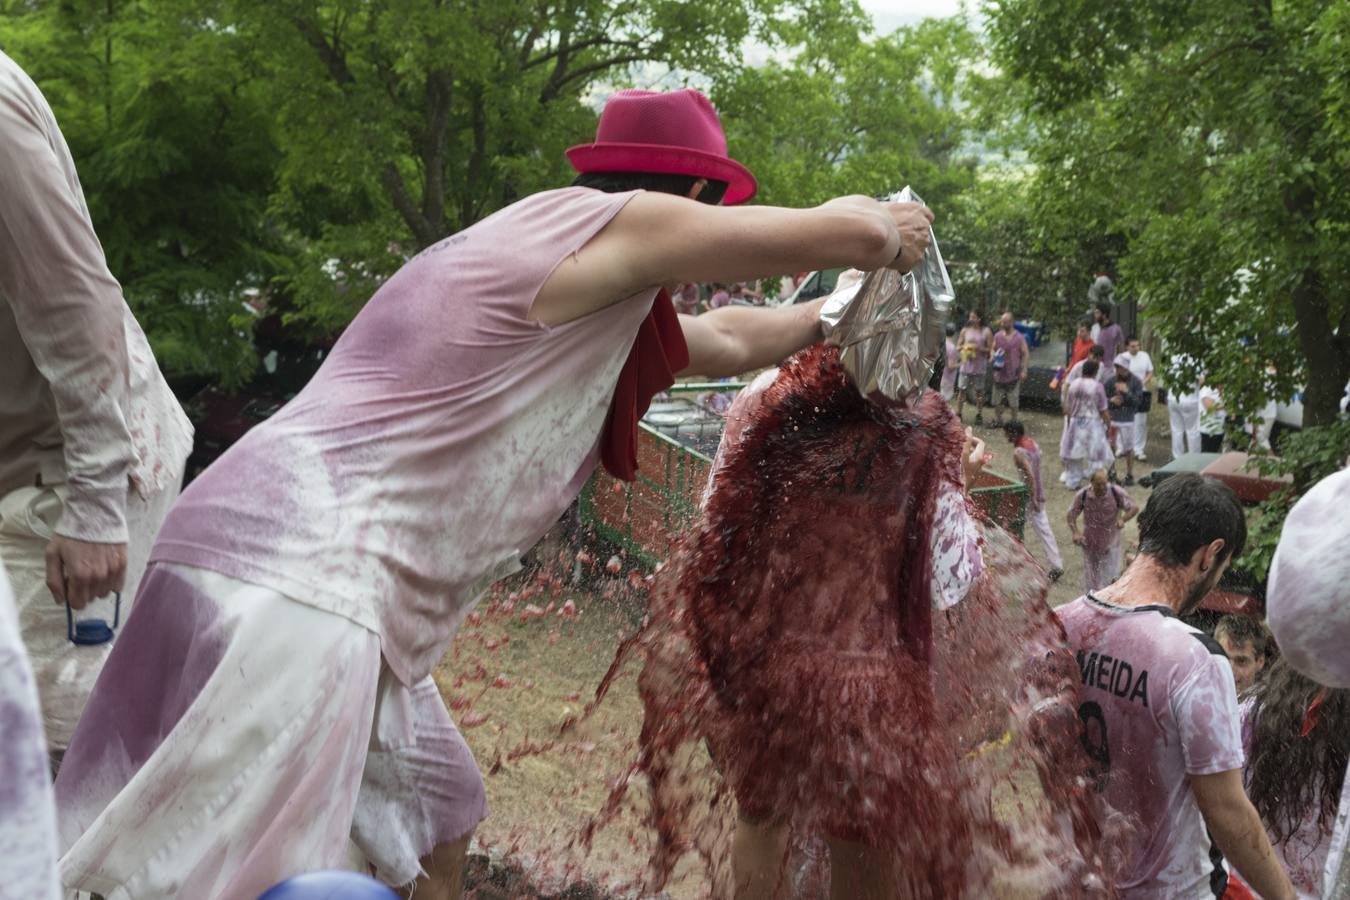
x: 522, y: 665
x: 1046, y: 428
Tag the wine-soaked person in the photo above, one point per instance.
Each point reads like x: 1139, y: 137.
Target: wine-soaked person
x: 1159, y: 706
x: 273, y: 694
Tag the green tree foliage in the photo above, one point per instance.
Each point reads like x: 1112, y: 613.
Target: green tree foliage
x: 310, y: 147
x: 1004, y: 254
x: 1212, y: 137
x: 406, y: 120
x: 845, y: 115
x: 1307, y: 457
x: 174, y: 147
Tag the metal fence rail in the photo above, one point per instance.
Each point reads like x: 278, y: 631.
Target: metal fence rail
x: 646, y: 517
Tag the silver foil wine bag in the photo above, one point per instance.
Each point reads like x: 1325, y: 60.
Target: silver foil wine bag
x: 890, y: 327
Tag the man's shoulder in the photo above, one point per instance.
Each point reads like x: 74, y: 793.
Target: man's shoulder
x: 1169, y: 636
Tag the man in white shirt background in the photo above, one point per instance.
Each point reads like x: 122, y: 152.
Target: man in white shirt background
x: 1141, y: 367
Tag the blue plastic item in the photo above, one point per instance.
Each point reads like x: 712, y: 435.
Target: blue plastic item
x: 329, y: 886
x: 92, y: 632
x: 1030, y: 330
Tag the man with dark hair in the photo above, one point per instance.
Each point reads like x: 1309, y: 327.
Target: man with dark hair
x: 1244, y: 643
x: 319, y: 569
x: 1159, y: 707
x: 1110, y: 335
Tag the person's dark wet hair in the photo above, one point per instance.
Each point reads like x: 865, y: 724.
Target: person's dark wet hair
x: 1091, y: 367
x: 1104, y: 307
x: 1244, y: 630
x: 1300, y: 742
x: 1185, y: 513
x: 618, y: 182
x: 1097, y: 351
x: 1014, y: 430
x: 951, y: 329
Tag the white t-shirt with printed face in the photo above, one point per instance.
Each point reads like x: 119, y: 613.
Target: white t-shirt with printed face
x: 1158, y: 704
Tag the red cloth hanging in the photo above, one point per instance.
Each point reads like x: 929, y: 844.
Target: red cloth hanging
x: 658, y: 352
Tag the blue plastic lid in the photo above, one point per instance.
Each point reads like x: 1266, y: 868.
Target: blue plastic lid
x: 329, y: 886
x: 92, y: 632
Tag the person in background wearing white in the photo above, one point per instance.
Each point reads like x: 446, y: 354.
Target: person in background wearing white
x: 1212, y: 419
x: 1141, y: 367
x: 92, y: 441
x: 1183, y: 410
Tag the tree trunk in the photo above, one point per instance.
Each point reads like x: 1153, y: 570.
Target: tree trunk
x: 1326, y: 355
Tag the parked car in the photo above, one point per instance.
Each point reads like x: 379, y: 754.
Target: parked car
x: 814, y: 286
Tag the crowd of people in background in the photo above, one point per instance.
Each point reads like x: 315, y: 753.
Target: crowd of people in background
x: 691, y: 299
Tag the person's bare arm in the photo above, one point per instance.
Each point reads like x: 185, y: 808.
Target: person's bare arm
x: 68, y: 310
x: 736, y: 339
x: 1075, y: 509
x: 1236, y: 828
x: 661, y: 239
x: 1128, y: 508
x: 1026, y: 360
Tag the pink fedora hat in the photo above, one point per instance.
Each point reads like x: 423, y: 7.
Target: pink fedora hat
x: 675, y: 133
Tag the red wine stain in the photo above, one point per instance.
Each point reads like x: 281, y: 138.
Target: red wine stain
x: 793, y: 636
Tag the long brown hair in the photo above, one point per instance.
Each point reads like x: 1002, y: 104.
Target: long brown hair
x: 1300, y: 745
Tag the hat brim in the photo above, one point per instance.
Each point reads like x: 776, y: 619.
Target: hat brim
x: 664, y: 160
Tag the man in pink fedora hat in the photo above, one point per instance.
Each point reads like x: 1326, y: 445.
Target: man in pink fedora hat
x: 269, y: 705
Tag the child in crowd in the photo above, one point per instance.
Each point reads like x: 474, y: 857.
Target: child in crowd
x: 1082, y: 343
x: 1027, y: 457
x: 1105, y: 509
x: 1297, y: 739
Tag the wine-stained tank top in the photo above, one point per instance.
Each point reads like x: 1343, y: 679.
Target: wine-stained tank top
x: 443, y: 436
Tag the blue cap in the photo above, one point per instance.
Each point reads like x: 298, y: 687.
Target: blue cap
x: 329, y: 886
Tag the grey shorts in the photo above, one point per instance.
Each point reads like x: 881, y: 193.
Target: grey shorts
x: 1011, y: 393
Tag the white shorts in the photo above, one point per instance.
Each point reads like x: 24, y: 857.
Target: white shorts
x: 66, y: 673
x: 1124, y: 445
x: 238, y: 738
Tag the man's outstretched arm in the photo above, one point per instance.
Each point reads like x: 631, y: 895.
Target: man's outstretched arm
x: 737, y: 339
x: 662, y: 239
